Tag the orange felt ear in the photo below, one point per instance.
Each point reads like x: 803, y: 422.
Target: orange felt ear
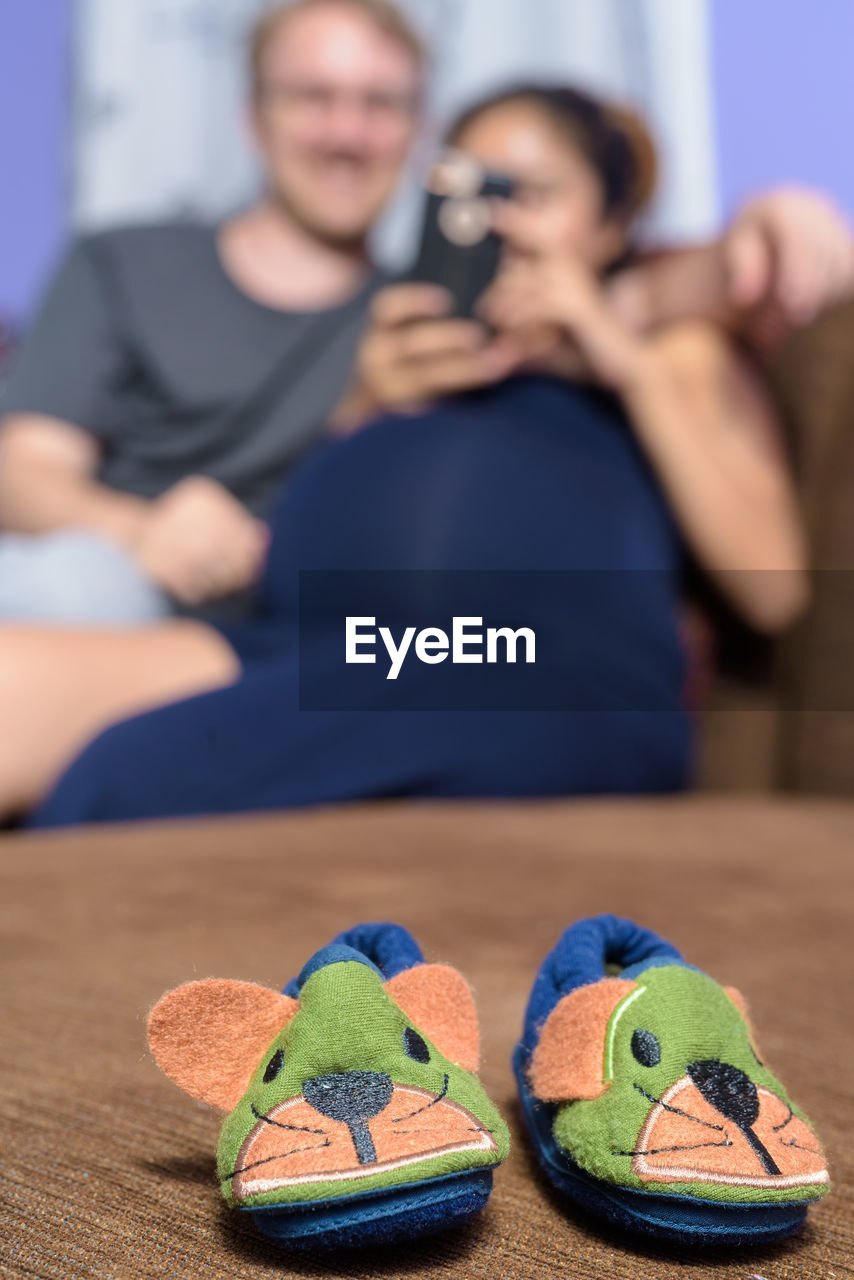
x: 440, y: 1003
x: 569, y: 1059
x: 209, y: 1036
x: 739, y: 1001
x: 741, y: 1004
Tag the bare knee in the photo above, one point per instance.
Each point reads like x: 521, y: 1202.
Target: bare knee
x: 59, y: 687
x: 18, y: 677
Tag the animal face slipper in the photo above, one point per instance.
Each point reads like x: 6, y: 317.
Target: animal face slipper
x: 646, y: 1100
x: 354, y: 1111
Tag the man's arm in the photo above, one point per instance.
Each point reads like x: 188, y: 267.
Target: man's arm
x: 55, y: 406
x: 47, y: 482
x: 668, y: 286
x: 196, y: 540
x: 786, y: 255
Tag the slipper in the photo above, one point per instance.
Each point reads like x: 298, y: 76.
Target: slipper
x: 646, y: 1102
x: 354, y: 1112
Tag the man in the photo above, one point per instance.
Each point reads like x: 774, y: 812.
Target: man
x: 175, y: 373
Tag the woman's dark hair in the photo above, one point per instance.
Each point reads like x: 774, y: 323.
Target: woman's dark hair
x: 613, y: 139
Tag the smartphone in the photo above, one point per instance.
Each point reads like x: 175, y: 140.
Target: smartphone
x: 458, y: 249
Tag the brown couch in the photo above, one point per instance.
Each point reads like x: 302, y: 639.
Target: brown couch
x: 782, y: 716
x: 108, y: 1170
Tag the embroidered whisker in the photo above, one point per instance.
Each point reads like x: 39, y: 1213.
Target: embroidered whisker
x: 426, y: 1106
x: 301, y: 1128
x: 318, y: 1146
x: 777, y: 1127
x: 800, y: 1146
x: 655, y: 1151
x: 677, y: 1111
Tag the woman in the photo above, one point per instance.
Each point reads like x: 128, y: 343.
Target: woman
x: 598, y: 450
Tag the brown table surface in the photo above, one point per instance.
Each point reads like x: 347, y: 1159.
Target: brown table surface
x: 108, y: 1169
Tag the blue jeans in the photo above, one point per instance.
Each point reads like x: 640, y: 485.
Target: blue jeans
x: 76, y: 578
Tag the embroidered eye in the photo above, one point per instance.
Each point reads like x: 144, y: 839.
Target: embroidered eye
x: 414, y: 1046
x: 274, y: 1066
x: 646, y: 1048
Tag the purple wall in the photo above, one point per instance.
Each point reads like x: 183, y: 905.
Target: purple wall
x: 34, y: 109
x: 784, y: 87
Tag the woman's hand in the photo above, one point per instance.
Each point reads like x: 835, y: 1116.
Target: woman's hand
x: 413, y: 352
x: 555, y: 308
x: 551, y: 303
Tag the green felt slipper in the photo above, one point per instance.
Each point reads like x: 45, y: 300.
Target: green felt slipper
x: 354, y: 1114
x: 645, y: 1098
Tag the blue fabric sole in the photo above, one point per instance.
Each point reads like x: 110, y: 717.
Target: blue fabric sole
x: 680, y: 1219
x: 379, y: 1217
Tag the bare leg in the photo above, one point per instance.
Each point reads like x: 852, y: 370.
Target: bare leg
x: 59, y: 688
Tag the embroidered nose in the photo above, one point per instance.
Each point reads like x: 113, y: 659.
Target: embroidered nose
x: 729, y: 1090
x: 733, y: 1094
x: 353, y: 1097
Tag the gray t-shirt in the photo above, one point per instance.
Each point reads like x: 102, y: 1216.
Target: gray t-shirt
x: 144, y: 340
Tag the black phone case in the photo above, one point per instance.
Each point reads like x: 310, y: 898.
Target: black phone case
x: 465, y: 271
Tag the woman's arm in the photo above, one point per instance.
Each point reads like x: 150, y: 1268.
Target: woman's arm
x: 704, y: 422
x: 711, y: 435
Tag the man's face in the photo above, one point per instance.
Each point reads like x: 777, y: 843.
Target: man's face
x: 334, y: 118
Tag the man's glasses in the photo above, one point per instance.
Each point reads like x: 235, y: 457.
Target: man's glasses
x: 318, y: 100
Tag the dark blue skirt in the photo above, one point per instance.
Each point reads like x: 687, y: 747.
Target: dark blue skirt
x: 527, y: 506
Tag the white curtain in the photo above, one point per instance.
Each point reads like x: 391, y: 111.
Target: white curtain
x: 161, y: 83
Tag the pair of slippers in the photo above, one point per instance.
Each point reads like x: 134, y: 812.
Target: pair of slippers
x: 355, y: 1115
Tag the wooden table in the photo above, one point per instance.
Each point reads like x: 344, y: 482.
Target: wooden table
x: 108, y: 1169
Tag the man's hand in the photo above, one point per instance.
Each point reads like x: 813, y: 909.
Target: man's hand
x: 413, y: 353
x: 787, y: 255
x: 199, y: 543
